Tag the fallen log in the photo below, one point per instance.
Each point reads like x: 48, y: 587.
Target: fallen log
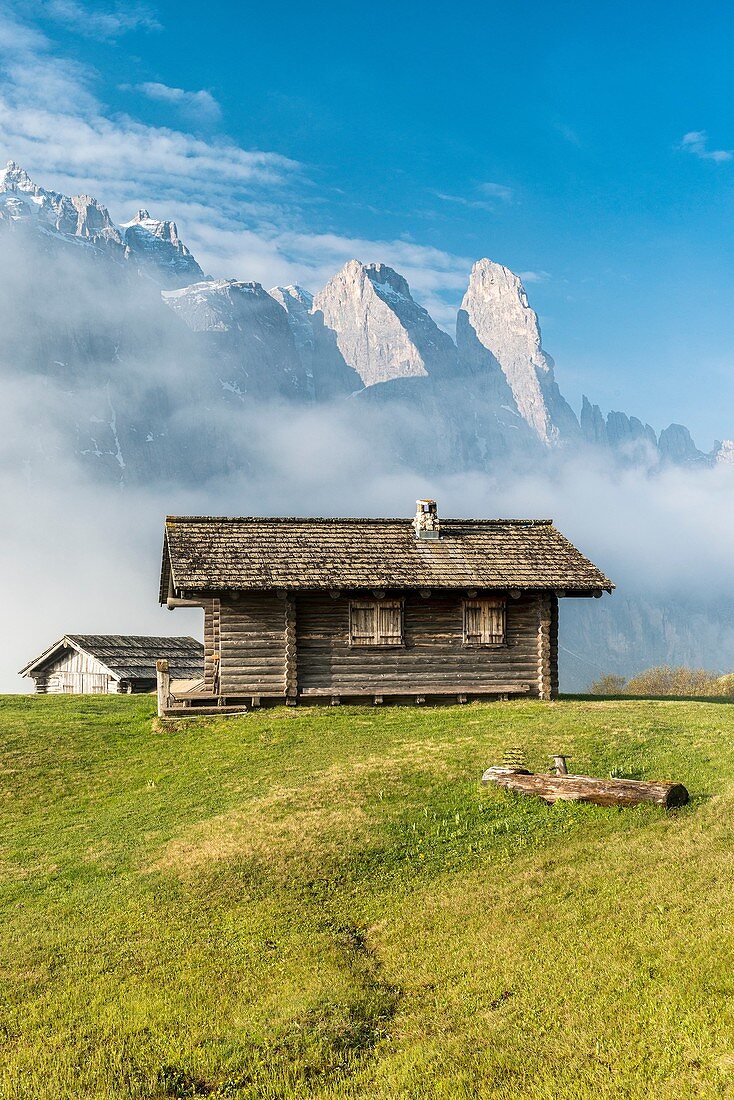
x: 585, y: 788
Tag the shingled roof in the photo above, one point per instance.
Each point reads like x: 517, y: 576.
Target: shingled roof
x: 129, y: 657
x: 220, y: 554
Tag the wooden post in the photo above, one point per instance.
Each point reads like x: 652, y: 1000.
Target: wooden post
x: 163, y: 685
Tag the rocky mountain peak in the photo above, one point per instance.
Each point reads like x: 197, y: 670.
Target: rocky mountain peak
x: 380, y: 331
x: 13, y: 177
x: 387, y: 281
x: 292, y: 293
x: 497, y: 327
x: 248, y: 337
x: 159, y: 252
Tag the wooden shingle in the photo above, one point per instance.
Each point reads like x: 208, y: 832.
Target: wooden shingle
x: 221, y: 554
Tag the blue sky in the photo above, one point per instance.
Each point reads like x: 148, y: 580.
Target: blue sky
x: 588, y: 147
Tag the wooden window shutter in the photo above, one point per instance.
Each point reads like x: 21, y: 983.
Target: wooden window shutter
x: 362, y: 623
x: 375, y: 622
x: 389, y: 623
x: 484, y: 621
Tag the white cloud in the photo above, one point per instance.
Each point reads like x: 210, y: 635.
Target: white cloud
x: 200, y: 103
x: 534, y: 276
x: 52, y: 122
x: 243, y: 212
x: 17, y: 37
x: 491, y: 191
x: 461, y: 200
x: 108, y: 24
x: 496, y: 191
x: 696, y: 142
x: 129, y: 155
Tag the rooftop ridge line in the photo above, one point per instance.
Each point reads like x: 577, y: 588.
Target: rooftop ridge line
x: 358, y: 521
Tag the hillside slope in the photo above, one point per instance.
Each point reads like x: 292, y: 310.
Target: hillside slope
x: 320, y: 903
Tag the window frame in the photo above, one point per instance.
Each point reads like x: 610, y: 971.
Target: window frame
x: 494, y: 603
x: 374, y: 641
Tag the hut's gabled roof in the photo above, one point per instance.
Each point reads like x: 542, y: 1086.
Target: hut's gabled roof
x: 129, y: 657
x: 205, y: 554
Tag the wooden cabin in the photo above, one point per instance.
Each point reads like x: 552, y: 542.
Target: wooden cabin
x: 306, y: 610
x: 104, y: 664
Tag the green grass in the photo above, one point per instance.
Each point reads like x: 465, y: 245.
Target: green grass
x: 325, y: 903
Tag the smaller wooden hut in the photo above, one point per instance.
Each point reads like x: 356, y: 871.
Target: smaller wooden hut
x: 109, y: 664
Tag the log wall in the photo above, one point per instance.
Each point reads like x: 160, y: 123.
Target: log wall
x: 298, y: 646
x: 432, y: 658
x: 252, y: 645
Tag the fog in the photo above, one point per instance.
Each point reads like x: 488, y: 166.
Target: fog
x: 81, y: 557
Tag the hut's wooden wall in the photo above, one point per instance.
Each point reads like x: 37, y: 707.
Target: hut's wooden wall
x: 433, y: 656
x: 74, y: 673
x: 252, y: 645
x: 254, y: 636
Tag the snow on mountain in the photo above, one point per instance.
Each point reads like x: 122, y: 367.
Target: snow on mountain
x: 157, y: 249
x: 154, y: 247
x: 21, y: 200
x: 380, y: 331
x: 497, y: 327
x: 723, y: 454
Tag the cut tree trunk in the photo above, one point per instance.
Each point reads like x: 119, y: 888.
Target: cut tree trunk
x: 584, y: 788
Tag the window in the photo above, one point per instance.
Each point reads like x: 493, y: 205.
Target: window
x: 484, y: 621
x: 375, y: 622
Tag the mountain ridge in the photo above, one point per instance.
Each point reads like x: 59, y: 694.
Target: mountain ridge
x: 364, y: 331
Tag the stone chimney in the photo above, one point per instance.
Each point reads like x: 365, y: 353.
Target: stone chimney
x: 426, y: 519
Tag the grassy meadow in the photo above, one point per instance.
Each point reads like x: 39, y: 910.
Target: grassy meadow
x: 325, y: 903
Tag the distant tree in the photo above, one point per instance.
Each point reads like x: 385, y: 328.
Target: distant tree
x: 611, y: 684
x: 664, y: 680
x: 725, y: 684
